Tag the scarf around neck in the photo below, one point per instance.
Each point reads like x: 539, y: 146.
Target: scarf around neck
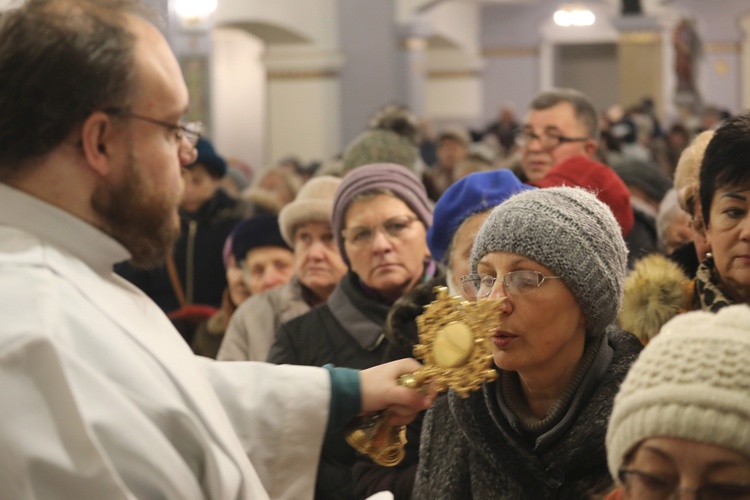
x: 709, y: 295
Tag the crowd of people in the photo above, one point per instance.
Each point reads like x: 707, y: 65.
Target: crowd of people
x: 173, y: 330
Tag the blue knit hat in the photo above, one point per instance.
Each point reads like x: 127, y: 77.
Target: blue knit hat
x: 212, y: 162
x: 257, y: 231
x: 473, y: 194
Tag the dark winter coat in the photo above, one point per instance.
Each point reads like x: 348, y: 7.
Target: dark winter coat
x: 471, y: 448
x: 198, y: 257
x: 346, y: 331
x: 642, y: 238
x: 402, y: 334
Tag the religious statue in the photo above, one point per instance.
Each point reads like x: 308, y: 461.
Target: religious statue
x: 686, y: 47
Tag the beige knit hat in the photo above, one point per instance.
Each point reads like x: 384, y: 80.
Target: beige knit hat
x: 314, y: 202
x: 687, y: 172
x: 691, y: 382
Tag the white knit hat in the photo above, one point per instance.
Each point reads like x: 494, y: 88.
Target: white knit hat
x: 691, y: 382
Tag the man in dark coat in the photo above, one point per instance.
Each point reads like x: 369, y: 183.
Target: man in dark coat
x: 194, y: 274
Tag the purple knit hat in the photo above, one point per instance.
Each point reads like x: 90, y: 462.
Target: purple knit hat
x: 398, y: 179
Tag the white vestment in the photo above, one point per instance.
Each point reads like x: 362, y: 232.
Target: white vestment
x: 101, y: 398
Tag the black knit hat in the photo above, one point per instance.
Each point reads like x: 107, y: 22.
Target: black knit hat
x: 645, y: 175
x: 257, y: 231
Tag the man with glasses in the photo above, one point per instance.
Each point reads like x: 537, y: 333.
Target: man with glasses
x: 99, y: 395
x: 558, y: 141
x: 560, y: 124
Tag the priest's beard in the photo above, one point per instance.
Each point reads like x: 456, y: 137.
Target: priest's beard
x: 137, y: 215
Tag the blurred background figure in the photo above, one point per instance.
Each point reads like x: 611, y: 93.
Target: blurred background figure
x: 505, y: 129
x: 275, y: 187
x: 624, y: 126
x: 481, y: 157
x: 318, y: 267
x: 452, y: 145
x: 204, y: 329
x: 677, y: 139
x: 672, y: 224
x: 711, y: 118
x: 681, y: 420
x: 194, y: 272
x: 238, y: 178
x: 647, y: 185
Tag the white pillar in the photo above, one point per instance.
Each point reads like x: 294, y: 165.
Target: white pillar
x: 304, y: 103
x: 745, y: 54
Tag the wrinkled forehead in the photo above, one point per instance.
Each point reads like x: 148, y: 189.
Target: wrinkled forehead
x: 561, y: 116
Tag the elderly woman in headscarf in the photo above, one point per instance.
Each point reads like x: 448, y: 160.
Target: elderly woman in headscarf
x: 305, y: 226
x: 557, y: 259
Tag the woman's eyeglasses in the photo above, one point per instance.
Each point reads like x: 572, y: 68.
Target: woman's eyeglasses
x: 478, y: 286
x: 395, y: 227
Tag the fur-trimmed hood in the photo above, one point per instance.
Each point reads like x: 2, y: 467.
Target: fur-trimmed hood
x: 656, y: 290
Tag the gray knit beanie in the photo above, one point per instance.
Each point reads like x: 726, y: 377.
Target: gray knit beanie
x: 691, y: 382
x: 398, y: 179
x: 571, y: 232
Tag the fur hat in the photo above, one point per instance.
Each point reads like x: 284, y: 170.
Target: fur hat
x: 314, y: 202
x: 691, y: 382
x: 396, y: 178
x: 207, y: 157
x: 380, y: 146
x: 398, y: 119
x: 656, y: 290
x: 598, y: 178
x: 469, y: 195
x: 569, y: 231
x: 254, y: 232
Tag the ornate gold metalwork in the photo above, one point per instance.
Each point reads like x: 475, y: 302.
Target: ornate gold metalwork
x: 455, y: 347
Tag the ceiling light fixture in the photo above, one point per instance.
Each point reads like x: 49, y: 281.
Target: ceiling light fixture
x: 195, y: 9
x: 574, y: 16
